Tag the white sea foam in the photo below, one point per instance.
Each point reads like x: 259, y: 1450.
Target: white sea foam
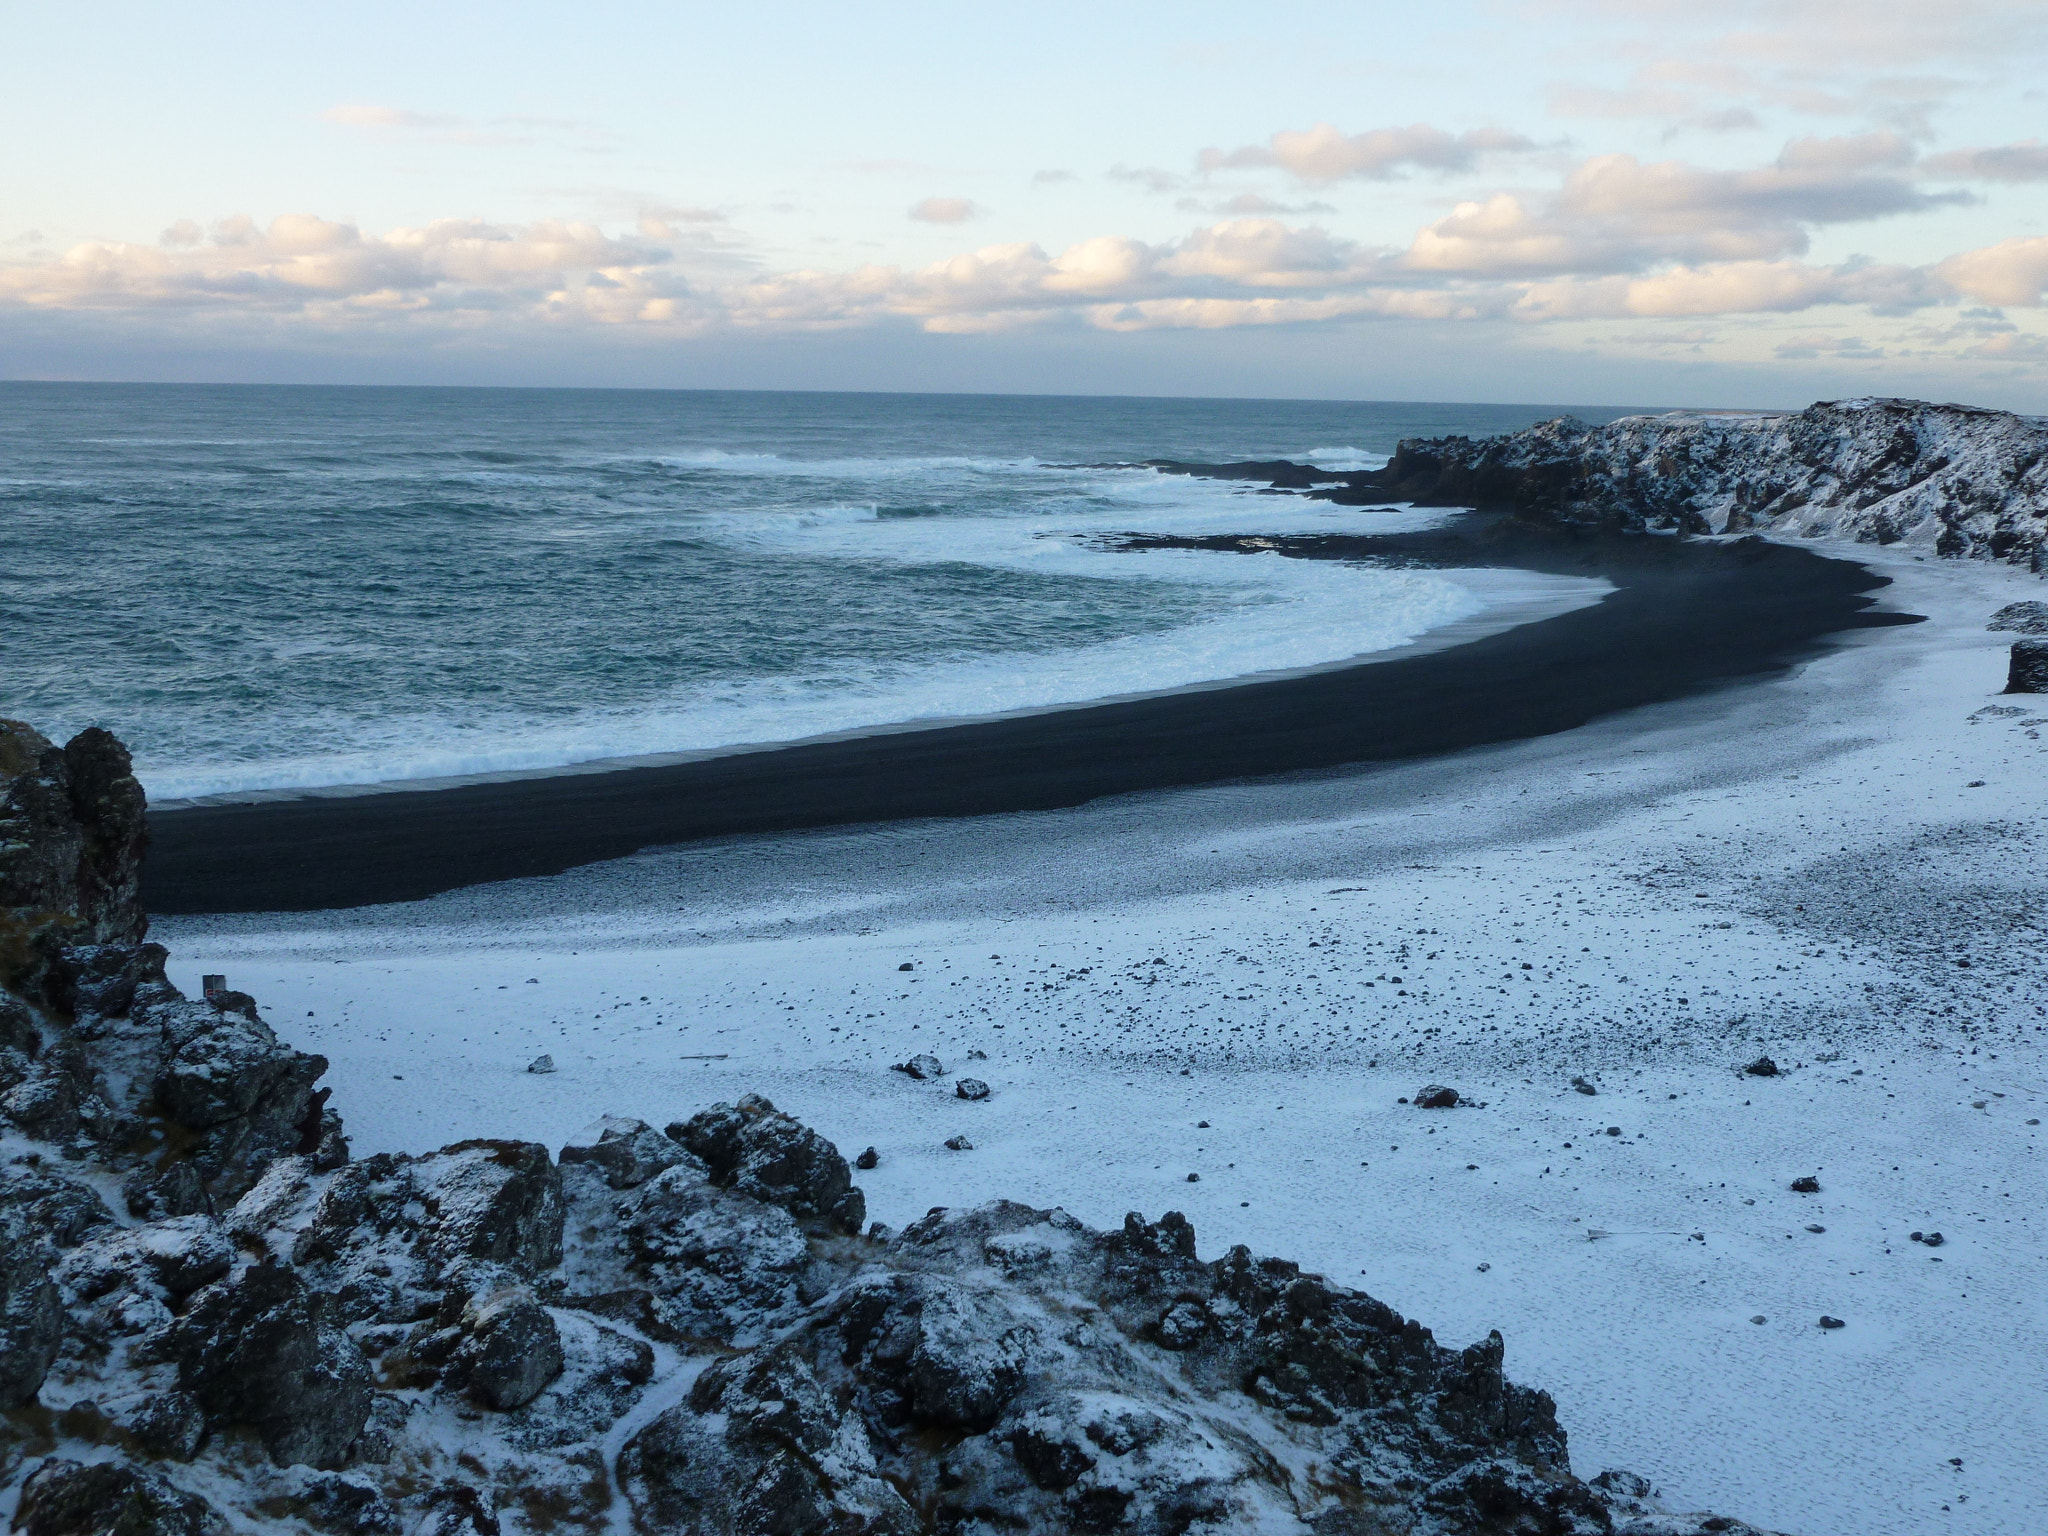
x: 1278, y: 615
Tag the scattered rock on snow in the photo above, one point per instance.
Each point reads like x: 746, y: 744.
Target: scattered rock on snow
x: 1806, y: 1184
x: 925, y: 1068
x: 1831, y: 1322
x: 970, y: 1088
x: 64, y: 1498
x: 1436, y: 1096
x: 541, y: 1063
x: 1582, y: 1086
x: 1763, y: 1066
x: 959, y: 1144
x: 868, y: 1159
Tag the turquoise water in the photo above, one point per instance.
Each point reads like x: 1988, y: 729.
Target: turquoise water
x: 265, y: 586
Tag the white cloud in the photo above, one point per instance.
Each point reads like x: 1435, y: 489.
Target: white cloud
x: 944, y: 210
x: 2011, y: 272
x: 2024, y: 161
x: 1325, y: 153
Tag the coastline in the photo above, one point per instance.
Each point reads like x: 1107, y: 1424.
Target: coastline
x: 1683, y: 616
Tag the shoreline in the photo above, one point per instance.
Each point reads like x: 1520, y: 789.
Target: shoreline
x: 1683, y: 616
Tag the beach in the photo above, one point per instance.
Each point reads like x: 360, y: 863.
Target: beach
x: 1833, y: 864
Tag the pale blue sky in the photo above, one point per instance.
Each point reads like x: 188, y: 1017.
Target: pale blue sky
x: 1583, y: 200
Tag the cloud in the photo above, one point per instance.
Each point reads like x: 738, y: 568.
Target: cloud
x: 1051, y: 178
x: 1800, y: 348
x: 945, y: 210
x: 1246, y: 204
x: 186, y: 232
x: 2024, y: 161
x: 1615, y: 213
x: 2011, y: 272
x: 1150, y: 177
x: 1324, y: 153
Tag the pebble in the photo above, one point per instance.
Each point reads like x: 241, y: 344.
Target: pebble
x: 1831, y: 1322
x: 1806, y: 1185
x: 970, y: 1088
x: 1763, y: 1066
x: 867, y: 1159
x: 541, y: 1064
x: 1194, y: 1178
x: 959, y: 1144
x: 1436, y: 1096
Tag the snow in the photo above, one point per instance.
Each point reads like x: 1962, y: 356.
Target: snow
x: 1798, y: 867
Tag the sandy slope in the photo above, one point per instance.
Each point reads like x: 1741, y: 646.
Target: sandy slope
x: 1801, y: 867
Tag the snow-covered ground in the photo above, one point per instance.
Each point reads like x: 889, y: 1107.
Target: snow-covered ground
x: 1841, y: 868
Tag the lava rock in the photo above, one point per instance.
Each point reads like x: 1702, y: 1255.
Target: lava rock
x: 64, y: 1498
x: 513, y: 1351
x: 31, y: 1310
x: 1436, y: 1096
x: 755, y: 1149
x: 328, y: 1502
x: 626, y: 1152
x: 499, y: 1201
x: 2027, y: 672
x: 1831, y: 1322
x: 959, y: 1144
x: 254, y: 1350
x: 1763, y: 1066
x: 970, y: 1088
x: 1580, y: 1085
x: 1806, y: 1184
x: 2028, y: 618
x: 925, y: 1068
x: 543, y: 1063
x: 868, y: 1159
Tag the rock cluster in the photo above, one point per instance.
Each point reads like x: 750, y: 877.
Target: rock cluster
x: 1960, y: 480
x: 212, y: 1318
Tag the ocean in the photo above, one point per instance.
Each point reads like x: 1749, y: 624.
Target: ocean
x: 264, y: 587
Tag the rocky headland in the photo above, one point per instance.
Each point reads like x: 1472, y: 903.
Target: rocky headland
x: 1958, y: 479
x: 214, y: 1318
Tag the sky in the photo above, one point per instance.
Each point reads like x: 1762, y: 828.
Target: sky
x: 1592, y: 201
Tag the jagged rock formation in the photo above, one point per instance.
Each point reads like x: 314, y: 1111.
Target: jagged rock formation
x: 212, y: 1319
x: 1964, y: 481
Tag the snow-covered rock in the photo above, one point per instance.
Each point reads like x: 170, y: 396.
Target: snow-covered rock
x: 1961, y: 480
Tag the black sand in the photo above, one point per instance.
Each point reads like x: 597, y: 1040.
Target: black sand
x: 1686, y: 616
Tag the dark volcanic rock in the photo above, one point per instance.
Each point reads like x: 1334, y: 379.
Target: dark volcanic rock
x: 31, y: 1310
x: 626, y: 1152
x: 1763, y: 1066
x: 63, y: 1498
x: 494, y: 1200
x: 1957, y: 479
x: 925, y: 1069
x: 1436, y: 1096
x: 2028, y: 670
x: 755, y: 1149
x: 254, y: 1350
x: 2023, y: 618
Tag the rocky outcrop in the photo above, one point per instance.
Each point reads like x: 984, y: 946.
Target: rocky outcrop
x: 679, y: 1331
x: 1959, y: 480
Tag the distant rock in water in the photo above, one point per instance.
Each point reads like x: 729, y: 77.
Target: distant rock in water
x: 1961, y: 480
x: 657, y: 1331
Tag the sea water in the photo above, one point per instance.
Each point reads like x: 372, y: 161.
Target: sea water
x: 263, y: 587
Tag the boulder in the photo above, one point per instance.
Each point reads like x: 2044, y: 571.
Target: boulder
x: 2028, y: 670
x: 970, y: 1088
x: 31, y: 1310
x: 2028, y: 618
x: 513, y: 1350
x: 64, y: 1498
x: 500, y: 1201
x: 627, y: 1153
x: 1436, y: 1096
x: 925, y: 1068
x: 755, y: 1149
x: 253, y: 1349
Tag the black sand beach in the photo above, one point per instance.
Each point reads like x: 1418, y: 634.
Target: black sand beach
x: 1684, y: 616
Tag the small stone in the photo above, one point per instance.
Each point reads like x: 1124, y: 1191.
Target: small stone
x: 1933, y: 1240
x: 541, y: 1063
x: 1203, y: 1125
x: 1579, y: 1084
x: 1806, y: 1185
x: 923, y: 1067
x: 1614, y: 1130
x: 1763, y: 1066
x: 970, y: 1088
x: 1194, y: 1178
x: 906, y: 966
x: 1831, y: 1322
x: 867, y: 1159
x: 959, y: 1144
x: 1484, y: 1268
x: 1436, y: 1096
x: 1815, y: 1228
x: 1759, y: 1319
